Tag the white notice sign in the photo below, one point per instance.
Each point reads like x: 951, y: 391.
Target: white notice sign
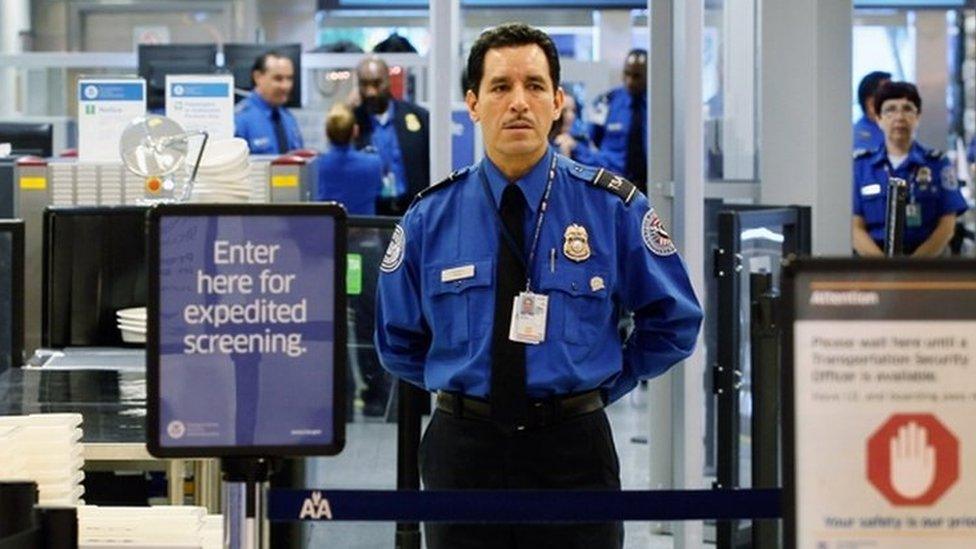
x: 105, y: 108
x: 202, y: 102
x: 884, y: 396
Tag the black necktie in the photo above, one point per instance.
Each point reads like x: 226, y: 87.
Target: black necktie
x: 636, y: 156
x: 279, y: 129
x: 508, y: 397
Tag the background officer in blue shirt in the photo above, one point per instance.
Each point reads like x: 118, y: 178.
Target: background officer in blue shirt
x: 934, y: 199
x: 398, y: 130
x: 867, y: 133
x: 261, y: 118
x: 618, y: 127
x: 521, y: 386
x: 353, y: 178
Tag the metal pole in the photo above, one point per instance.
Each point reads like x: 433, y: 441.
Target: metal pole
x: 244, y: 491
x: 409, y: 410
x: 895, y: 217
x: 765, y: 399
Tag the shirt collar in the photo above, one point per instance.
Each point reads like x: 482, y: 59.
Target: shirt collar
x: 916, y: 155
x: 532, y: 184
x: 261, y: 104
x: 384, y: 117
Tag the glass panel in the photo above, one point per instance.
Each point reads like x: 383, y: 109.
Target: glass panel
x: 881, y: 43
x: 729, y: 90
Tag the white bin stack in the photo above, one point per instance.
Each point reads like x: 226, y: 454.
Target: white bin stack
x: 44, y: 448
x: 156, y: 527
x: 224, y: 174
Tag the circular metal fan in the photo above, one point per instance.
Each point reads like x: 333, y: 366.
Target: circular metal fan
x: 154, y: 146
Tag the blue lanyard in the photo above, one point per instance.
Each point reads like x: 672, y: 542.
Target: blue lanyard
x: 507, y: 235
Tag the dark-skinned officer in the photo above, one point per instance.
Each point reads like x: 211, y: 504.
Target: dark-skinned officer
x: 501, y: 291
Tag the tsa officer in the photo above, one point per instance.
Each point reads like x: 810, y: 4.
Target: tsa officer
x: 261, y: 118
x: 398, y: 130
x: 867, y: 133
x: 500, y: 291
x: 618, y: 127
x: 934, y: 199
x: 353, y: 178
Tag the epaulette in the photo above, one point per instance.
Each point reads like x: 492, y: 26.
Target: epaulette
x: 455, y: 176
x: 934, y: 154
x: 240, y: 107
x: 861, y: 153
x: 615, y: 184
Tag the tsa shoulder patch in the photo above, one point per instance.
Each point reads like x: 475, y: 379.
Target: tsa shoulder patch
x: 949, y: 181
x: 394, y: 251
x: 657, y: 240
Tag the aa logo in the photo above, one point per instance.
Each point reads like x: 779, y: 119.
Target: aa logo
x: 315, y: 508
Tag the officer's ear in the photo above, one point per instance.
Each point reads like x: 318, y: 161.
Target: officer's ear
x: 558, y: 101
x: 471, y: 100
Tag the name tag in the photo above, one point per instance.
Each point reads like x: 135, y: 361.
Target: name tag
x: 871, y: 190
x: 457, y: 273
x: 615, y: 127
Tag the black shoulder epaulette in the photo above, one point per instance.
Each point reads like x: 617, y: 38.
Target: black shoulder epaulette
x: 615, y: 184
x: 455, y: 176
x: 935, y: 154
x: 861, y: 153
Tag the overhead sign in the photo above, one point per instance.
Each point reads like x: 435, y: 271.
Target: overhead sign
x: 246, y: 330
x: 202, y: 103
x: 105, y: 108
x: 880, y: 372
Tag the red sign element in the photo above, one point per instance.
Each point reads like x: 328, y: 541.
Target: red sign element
x: 913, y: 459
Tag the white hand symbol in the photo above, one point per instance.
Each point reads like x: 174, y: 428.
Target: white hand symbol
x: 912, y: 461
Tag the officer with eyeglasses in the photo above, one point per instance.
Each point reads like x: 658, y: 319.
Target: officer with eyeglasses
x: 933, y: 201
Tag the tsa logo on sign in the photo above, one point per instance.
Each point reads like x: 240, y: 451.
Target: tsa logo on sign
x: 315, y: 508
x: 176, y: 429
x: 91, y: 92
x: 178, y: 90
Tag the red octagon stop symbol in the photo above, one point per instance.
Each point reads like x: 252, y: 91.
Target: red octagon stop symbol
x: 900, y: 459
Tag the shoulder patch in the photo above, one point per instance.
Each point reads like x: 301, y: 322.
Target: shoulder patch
x: 949, y: 180
x: 455, y: 176
x: 394, y: 251
x: 657, y: 240
x: 615, y: 184
x: 934, y: 154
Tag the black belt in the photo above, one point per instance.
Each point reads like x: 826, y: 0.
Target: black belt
x: 549, y: 411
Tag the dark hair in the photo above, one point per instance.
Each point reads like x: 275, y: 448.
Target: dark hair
x: 261, y: 63
x: 509, y: 35
x: 639, y: 52
x: 869, y: 86
x: 897, y: 90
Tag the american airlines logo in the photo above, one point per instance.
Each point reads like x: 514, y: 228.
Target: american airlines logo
x: 843, y: 299
x: 315, y: 508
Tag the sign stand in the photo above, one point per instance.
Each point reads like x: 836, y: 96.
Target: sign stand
x: 246, y: 344
x: 244, y: 487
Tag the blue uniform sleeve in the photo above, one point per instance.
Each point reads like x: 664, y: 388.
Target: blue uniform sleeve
x: 952, y: 200
x: 856, y: 208
x: 654, y: 284
x: 402, y: 335
x: 240, y: 125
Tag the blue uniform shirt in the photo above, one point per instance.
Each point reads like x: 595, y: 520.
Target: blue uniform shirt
x: 434, y: 324
x: 351, y: 177
x: 867, y: 135
x: 384, y: 139
x: 609, y: 130
x: 252, y: 122
x: 932, y: 188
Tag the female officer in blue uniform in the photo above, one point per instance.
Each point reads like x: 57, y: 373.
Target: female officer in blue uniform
x: 933, y: 201
x: 501, y: 290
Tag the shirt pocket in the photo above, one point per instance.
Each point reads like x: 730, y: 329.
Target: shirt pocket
x: 460, y: 308
x: 874, y: 209
x: 580, y: 304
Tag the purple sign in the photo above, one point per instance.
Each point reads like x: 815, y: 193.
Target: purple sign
x: 246, y: 331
